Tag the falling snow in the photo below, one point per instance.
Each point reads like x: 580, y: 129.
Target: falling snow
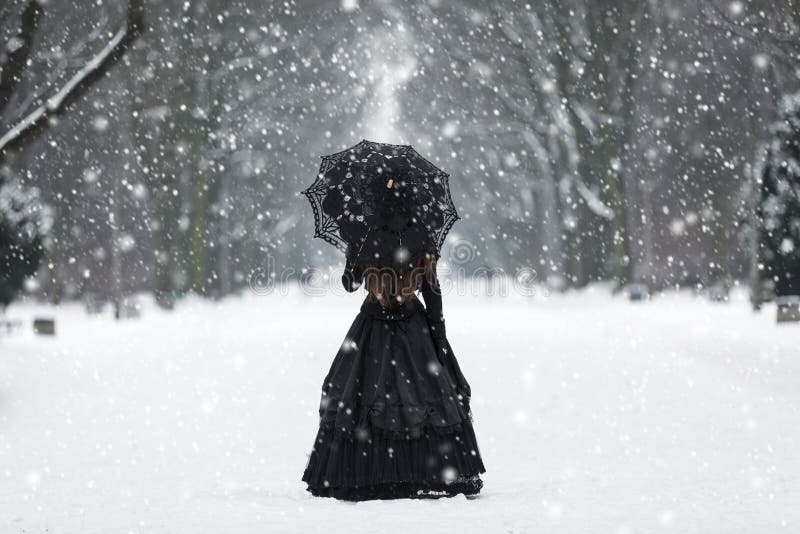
x: 629, y: 169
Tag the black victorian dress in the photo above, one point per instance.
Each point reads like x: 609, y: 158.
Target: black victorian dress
x: 395, y: 419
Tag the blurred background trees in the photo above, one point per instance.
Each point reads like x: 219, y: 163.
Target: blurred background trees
x: 589, y: 140
x: 24, y: 227
x: 779, y: 203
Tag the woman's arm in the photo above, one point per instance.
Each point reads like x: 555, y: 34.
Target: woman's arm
x: 431, y: 292
x: 351, y: 278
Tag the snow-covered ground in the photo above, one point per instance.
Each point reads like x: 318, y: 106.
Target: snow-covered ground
x: 593, y: 415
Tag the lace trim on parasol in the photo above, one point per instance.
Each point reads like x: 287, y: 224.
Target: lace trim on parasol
x: 450, y: 214
x: 324, y: 226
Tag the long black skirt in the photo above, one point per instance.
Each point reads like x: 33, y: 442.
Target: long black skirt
x: 395, y: 419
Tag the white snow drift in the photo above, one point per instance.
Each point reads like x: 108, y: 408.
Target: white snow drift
x: 593, y: 415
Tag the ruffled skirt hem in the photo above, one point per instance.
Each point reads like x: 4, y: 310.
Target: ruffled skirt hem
x: 403, y: 490
x: 378, y: 465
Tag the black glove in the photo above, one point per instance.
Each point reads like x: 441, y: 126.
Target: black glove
x: 351, y: 280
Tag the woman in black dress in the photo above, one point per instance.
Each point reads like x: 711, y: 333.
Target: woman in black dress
x: 395, y: 419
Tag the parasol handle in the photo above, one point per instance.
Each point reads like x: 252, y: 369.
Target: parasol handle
x: 363, y: 241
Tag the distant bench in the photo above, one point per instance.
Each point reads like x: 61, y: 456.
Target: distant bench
x: 45, y: 327
x: 788, y: 309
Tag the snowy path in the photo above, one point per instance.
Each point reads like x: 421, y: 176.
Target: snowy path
x: 593, y: 415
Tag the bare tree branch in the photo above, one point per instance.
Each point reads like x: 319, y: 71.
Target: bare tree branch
x: 55, y: 101
x: 116, y: 46
x: 785, y: 48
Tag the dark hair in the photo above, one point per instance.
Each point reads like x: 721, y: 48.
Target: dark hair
x: 390, y: 287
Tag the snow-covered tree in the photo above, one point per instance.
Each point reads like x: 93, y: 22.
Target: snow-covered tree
x: 779, y: 209
x: 35, y: 84
x: 24, y: 224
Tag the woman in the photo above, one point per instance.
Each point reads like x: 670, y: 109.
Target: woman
x: 395, y: 420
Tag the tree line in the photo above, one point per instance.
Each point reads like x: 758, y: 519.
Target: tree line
x: 591, y: 140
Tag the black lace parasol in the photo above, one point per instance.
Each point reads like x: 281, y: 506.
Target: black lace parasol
x: 382, y: 204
